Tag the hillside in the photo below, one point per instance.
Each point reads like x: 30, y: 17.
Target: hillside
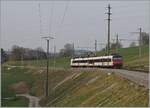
x: 131, y: 58
x: 72, y: 87
x: 75, y: 87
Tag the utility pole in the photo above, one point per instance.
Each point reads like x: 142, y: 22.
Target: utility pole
x: 117, y: 43
x: 95, y: 46
x: 46, y: 80
x: 54, y: 55
x: 109, y: 13
x: 37, y: 56
x: 73, y: 53
x: 22, y: 59
x: 140, y: 42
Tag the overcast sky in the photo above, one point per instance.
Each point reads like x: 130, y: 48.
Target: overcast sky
x: 84, y: 21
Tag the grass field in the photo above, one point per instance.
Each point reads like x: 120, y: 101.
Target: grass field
x: 63, y: 62
x: 76, y: 88
x: 131, y: 58
x: 12, y: 75
x: 17, y: 102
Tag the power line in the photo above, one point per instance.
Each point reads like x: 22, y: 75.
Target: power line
x: 117, y: 43
x: 63, y: 17
x: 51, y: 17
x: 40, y: 18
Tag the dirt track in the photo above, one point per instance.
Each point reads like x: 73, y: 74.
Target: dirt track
x: 140, y: 78
x: 33, y: 101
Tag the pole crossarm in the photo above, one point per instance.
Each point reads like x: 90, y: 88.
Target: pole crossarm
x: 48, y: 37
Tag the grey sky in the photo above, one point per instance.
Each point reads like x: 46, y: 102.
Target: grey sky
x: 84, y: 22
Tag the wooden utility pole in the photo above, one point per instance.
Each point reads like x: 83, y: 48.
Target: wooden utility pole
x: 47, y: 69
x: 73, y: 53
x: 140, y: 42
x: 108, y: 13
x: 95, y: 46
x: 22, y: 59
x: 117, y: 43
x: 54, y: 55
x: 46, y: 88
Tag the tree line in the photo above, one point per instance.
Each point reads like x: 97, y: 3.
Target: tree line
x: 21, y: 53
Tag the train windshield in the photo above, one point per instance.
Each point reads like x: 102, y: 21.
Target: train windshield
x: 117, y: 57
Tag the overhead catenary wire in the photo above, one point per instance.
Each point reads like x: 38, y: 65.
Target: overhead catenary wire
x: 63, y: 17
x: 40, y: 18
x: 51, y: 17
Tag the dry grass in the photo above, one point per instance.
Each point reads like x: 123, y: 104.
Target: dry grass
x: 104, y: 90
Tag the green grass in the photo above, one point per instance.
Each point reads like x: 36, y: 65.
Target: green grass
x: 75, y: 89
x: 131, y: 57
x: 63, y: 62
x: 10, y: 76
x: 130, y: 53
x: 107, y: 90
x: 18, y: 102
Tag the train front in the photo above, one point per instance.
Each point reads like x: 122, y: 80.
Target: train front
x: 117, y: 61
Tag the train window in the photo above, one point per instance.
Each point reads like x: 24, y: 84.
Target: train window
x: 103, y: 60
x: 100, y: 60
x: 97, y: 60
x: 83, y: 61
x: 80, y: 61
x: 108, y: 60
x: 117, y: 58
x: 91, y: 61
x: 74, y: 61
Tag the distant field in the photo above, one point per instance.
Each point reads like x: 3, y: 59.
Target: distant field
x: 130, y: 57
x: 63, y: 62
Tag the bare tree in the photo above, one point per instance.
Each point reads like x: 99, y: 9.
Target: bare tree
x: 133, y: 44
x: 68, y: 50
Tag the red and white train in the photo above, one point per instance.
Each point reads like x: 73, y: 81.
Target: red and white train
x: 112, y: 61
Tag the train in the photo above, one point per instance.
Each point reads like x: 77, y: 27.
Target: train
x: 111, y: 61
